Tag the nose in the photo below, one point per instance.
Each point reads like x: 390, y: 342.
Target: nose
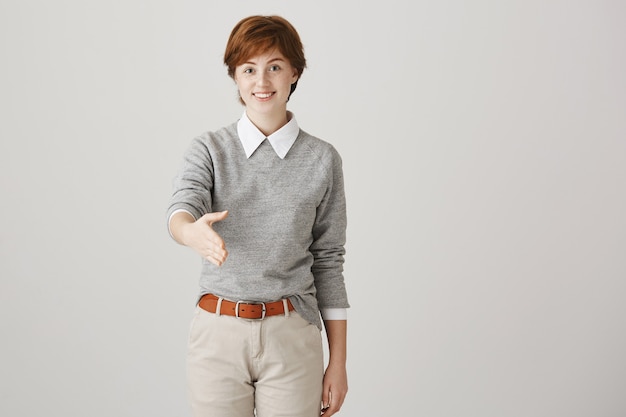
x: 262, y: 78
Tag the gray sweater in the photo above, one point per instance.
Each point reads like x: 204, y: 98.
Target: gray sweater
x: 285, y: 232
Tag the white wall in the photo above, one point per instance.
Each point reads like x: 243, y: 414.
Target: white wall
x: 485, y: 157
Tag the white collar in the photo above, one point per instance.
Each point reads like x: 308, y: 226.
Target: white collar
x: 281, y: 140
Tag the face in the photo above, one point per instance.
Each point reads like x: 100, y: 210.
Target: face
x: 264, y: 83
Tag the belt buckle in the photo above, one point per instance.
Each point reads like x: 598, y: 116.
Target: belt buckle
x: 250, y: 303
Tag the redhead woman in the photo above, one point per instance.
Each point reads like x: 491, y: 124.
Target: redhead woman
x: 262, y: 202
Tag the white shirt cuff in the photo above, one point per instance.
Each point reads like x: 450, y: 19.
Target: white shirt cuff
x: 334, y: 313
x: 172, y: 215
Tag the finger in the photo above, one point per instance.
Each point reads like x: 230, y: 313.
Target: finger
x: 333, y: 408
x: 330, y: 410
x: 214, y: 261
x: 215, y: 241
x: 217, y: 257
x: 210, y: 234
x: 211, y: 218
x: 334, y: 403
x: 325, y: 398
x: 218, y: 261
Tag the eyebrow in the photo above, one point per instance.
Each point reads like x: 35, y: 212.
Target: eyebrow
x: 269, y: 62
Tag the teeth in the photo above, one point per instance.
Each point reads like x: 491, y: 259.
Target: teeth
x: 263, y: 95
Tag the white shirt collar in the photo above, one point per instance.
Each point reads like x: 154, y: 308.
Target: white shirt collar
x: 281, y: 140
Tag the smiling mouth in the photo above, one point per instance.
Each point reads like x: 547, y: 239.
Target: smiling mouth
x: 263, y: 95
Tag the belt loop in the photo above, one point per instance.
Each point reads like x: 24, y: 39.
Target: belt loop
x: 285, y: 307
x: 218, y: 308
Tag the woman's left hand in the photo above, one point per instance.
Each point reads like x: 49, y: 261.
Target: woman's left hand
x: 335, y: 389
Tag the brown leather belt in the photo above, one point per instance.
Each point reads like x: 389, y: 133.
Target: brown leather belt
x: 244, y: 309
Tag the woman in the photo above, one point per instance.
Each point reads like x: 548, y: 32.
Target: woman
x: 263, y: 203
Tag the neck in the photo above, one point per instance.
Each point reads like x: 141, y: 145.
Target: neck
x: 268, y: 123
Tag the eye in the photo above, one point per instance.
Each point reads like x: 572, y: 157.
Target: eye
x: 274, y: 68
x: 247, y: 71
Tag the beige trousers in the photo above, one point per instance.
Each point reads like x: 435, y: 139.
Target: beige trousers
x: 237, y: 367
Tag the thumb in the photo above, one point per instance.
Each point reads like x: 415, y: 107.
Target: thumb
x: 325, y: 398
x: 211, y: 218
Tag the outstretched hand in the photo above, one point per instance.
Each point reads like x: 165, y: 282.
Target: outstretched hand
x: 201, y: 237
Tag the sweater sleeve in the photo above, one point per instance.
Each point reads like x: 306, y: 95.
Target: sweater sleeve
x: 329, y: 237
x: 193, y: 184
